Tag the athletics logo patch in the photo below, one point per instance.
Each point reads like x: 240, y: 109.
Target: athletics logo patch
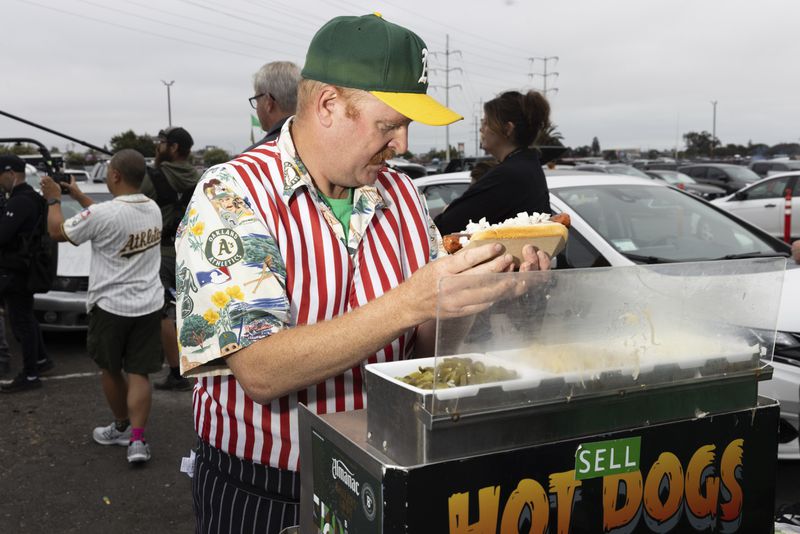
x: 224, y: 248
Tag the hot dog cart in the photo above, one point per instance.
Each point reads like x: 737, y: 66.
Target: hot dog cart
x: 592, y: 400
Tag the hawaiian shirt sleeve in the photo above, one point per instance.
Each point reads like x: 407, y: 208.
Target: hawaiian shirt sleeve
x: 230, y: 277
x: 82, y: 226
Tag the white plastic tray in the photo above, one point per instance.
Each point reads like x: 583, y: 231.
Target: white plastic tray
x: 393, y: 371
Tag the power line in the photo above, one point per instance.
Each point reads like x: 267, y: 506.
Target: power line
x: 169, y: 24
x: 257, y: 22
x: 439, y: 25
x: 215, y: 24
x: 138, y: 30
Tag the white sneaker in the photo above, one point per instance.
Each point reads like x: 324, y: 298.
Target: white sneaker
x: 138, y: 451
x: 109, y: 435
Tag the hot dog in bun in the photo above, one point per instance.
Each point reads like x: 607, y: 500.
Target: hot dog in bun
x: 548, y: 233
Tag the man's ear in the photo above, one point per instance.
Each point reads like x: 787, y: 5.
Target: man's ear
x: 328, y: 99
x: 508, y: 129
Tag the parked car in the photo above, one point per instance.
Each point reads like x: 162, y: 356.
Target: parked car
x: 725, y: 175
x: 766, y: 167
x: 99, y: 171
x: 32, y: 176
x: 80, y: 176
x: 687, y: 183
x: 613, y: 168
x: 763, y: 203
x: 661, y: 165
x: 465, y: 164
x: 64, y: 306
x: 413, y: 170
x: 623, y: 220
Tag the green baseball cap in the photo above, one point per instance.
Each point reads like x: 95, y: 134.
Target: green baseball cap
x: 374, y: 55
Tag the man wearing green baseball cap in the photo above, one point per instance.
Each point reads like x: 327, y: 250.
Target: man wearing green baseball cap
x: 325, y: 260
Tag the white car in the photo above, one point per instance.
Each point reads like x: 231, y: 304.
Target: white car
x: 64, y: 307
x: 623, y: 220
x: 764, y: 203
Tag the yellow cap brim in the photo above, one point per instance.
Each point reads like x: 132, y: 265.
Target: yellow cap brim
x: 419, y: 108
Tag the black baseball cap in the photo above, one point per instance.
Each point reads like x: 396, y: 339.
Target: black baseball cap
x: 11, y: 162
x: 176, y: 134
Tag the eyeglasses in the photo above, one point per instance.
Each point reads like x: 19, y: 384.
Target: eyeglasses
x: 254, y: 99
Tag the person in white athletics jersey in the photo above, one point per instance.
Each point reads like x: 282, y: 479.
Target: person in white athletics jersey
x: 125, y: 296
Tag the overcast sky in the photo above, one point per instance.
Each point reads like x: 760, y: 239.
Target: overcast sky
x: 633, y: 73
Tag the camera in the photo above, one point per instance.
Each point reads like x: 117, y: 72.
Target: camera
x: 60, y: 177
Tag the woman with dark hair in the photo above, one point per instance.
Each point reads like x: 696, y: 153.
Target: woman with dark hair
x: 511, y: 123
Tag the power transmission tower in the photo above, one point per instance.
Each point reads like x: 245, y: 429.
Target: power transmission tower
x: 447, y: 52
x: 544, y: 74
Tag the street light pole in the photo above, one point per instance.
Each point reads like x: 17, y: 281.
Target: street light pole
x: 714, y: 126
x: 169, y: 102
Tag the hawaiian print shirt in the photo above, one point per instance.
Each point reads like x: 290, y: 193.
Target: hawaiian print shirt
x: 230, y: 275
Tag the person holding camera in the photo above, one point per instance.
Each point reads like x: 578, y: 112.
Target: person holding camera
x: 19, y: 221
x: 170, y: 183
x: 125, y: 298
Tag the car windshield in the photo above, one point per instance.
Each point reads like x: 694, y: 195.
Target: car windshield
x: 651, y: 224
x: 743, y: 173
x: 70, y: 206
x: 625, y: 169
x: 676, y: 178
x: 439, y: 196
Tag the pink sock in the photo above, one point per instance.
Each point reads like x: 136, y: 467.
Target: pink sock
x: 137, y: 434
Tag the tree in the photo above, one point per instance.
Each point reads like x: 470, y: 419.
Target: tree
x: 549, y: 136
x: 595, y: 146
x: 700, y: 144
x: 74, y: 159
x: 214, y: 156
x: 789, y: 149
x: 610, y: 155
x: 580, y: 152
x: 195, y: 331
x: 20, y: 149
x: 145, y: 144
x: 441, y: 154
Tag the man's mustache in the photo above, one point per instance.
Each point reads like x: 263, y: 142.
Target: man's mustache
x: 385, y: 154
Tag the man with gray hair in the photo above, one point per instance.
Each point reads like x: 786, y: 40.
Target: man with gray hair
x: 275, y: 99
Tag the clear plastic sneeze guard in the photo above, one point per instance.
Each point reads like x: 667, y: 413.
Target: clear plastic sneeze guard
x: 559, y: 335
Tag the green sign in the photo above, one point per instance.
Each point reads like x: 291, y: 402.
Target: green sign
x: 601, y: 458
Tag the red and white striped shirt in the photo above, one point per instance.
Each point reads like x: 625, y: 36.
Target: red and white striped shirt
x: 259, y: 251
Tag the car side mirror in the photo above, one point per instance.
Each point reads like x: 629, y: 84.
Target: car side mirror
x: 740, y: 195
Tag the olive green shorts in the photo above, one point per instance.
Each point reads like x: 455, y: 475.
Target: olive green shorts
x: 132, y: 344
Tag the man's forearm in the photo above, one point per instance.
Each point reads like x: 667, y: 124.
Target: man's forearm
x: 302, y: 356
x: 55, y: 218
x: 299, y: 357
x: 82, y: 198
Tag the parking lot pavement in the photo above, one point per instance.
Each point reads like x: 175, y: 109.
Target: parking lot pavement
x: 55, y: 478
